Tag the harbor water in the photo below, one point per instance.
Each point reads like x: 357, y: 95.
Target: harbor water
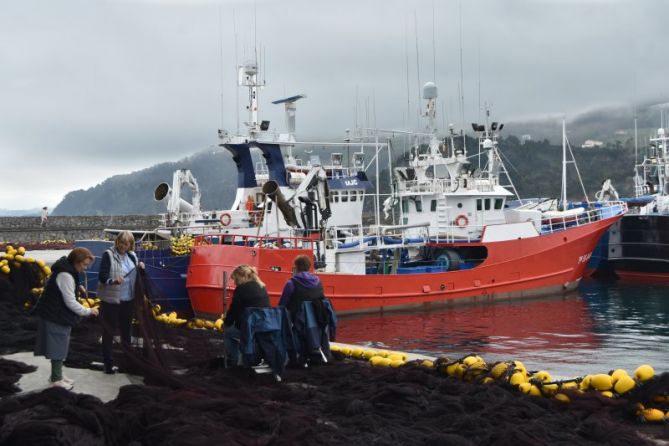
x: 602, y: 326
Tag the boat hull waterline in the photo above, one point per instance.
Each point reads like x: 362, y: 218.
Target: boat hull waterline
x: 525, y: 267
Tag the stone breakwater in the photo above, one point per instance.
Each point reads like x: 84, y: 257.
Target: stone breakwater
x: 28, y: 229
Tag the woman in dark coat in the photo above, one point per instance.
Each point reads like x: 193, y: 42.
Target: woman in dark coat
x: 59, y: 310
x: 249, y: 292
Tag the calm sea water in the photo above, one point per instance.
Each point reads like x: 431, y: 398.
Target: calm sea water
x: 602, y: 326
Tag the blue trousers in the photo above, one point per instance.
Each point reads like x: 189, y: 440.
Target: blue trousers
x: 231, y: 336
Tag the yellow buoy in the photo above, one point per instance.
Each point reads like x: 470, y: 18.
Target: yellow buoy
x: 607, y: 393
x: 19, y: 258
x: 617, y: 374
x: 40, y: 263
x: 207, y: 324
x: 499, y: 369
x: 569, y: 385
x: 374, y: 360
x: 624, y: 385
x: 383, y: 362
x: 644, y: 373
x: 396, y: 363
x: 534, y: 390
x: 549, y: 389
x: 427, y: 364
x: 397, y: 357
x: 487, y: 380
x: 562, y: 398
x: 652, y: 415
x: 219, y: 325
x: 21, y: 250
x: 601, y: 381
x: 346, y: 351
x: 517, y: 378
x: 357, y: 352
x: 370, y: 354
x: 5, y: 269
x: 585, y: 384
x: 46, y: 270
x: 524, y: 387
x: 542, y: 376
x: 520, y: 366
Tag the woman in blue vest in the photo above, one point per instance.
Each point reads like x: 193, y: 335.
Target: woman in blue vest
x: 59, y: 310
x: 118, y: 272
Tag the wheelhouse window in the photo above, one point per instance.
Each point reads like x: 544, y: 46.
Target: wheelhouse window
x: 419, y: 205
x: 405, y: 205
x: 487, y: 204
x: 479, y: 204
x: 344, y: 196
x: 354, y: 195
x: 433, y: 205
x: 499, y: 203
x: 334, y: 197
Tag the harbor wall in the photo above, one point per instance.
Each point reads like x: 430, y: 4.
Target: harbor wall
x: 70, y: 228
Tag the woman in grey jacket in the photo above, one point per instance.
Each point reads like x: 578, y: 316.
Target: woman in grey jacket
x: 118, y: 272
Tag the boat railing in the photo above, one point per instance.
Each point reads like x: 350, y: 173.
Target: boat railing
x: 426, y: 185
x: 258, y: 241
x: 211, y: 221
x: 554, y: 222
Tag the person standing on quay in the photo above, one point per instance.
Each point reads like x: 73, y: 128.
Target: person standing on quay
x: 45, y: 217
x: 118, y: 272
x: 59, y: 310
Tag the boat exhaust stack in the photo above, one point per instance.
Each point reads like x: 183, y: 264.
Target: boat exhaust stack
x: 271, y: 189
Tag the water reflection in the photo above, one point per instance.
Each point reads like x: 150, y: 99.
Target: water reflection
x: 601, y: 327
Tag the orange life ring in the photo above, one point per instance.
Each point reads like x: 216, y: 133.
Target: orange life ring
x: 225, y: 219
x: 461, y: 220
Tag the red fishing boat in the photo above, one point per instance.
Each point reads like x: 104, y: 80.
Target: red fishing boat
x: 449, y: 237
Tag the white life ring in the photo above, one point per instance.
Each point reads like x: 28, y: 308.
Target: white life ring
x: 225, y: 219
x: 461, y: 221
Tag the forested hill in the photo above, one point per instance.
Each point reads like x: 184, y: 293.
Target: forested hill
x: 535, y: 169
x: 133, y: 193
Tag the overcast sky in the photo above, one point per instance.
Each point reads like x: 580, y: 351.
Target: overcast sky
x: 90, y: 89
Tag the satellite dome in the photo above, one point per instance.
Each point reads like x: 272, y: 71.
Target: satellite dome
x: 487, y: 144
x: 250, y: 68
x: 429, y: 90
x: 660, y: 132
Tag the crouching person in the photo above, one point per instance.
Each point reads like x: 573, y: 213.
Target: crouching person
x: 59, y: 310
x: 249, y: 292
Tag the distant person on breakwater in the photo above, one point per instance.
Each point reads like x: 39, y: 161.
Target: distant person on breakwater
x: 45, y: 217
x: 301, y: 287
x: 116, y: 289
x: 59, y: 310
x: 250, y: 291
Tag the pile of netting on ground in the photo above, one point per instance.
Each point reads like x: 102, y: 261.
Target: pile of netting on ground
x: 190, y: 398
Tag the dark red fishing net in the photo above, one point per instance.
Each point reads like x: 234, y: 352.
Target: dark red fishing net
x: 190, y: 398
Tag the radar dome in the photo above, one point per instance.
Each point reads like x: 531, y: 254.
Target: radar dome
x: 429, y: 90
x: 660, y: 132
x: 250, y: 68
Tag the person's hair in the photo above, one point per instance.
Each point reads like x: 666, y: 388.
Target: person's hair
x: 78, y: 255
x: 244, y: 274
x: 125, y: 237
x: 302, y: 263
